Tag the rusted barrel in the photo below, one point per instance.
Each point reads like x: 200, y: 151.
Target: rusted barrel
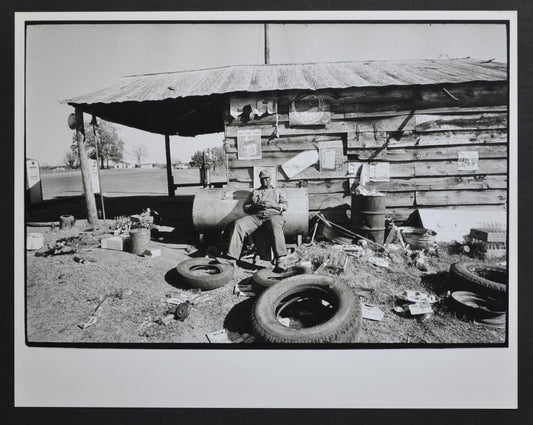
x: 368, y: 216
x: 66, y: 221
x: 214, y: 209
x: 140, y: 240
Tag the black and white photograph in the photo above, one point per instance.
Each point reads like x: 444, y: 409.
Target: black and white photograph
x: 267, y: 186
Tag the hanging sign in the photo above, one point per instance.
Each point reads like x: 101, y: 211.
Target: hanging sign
x: 467, y: 161
x: 95, y: 179
x: 379, y: 172
x: 309, y: 109
x: 249, y: 144
x: 299, y: 162
x: 246, y: 108
x: 331, y: 155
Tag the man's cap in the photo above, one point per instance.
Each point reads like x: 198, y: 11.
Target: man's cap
x: 264, y: 173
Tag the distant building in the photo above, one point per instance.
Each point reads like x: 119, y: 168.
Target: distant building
x: 122, y: 165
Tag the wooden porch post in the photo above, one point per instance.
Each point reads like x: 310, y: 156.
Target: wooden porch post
x: 90, y: 203
x: 170, y: 179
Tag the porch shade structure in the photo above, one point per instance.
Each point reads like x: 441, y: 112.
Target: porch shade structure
x: 190, y: 103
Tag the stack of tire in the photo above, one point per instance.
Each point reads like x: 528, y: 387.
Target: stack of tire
x: 482, y: 294
x: 277, y: 292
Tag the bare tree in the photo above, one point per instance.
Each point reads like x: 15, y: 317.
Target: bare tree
x: 140, y: 152
x: 71, y: 159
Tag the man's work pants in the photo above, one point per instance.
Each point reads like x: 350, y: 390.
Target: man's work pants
x: 247, y: 225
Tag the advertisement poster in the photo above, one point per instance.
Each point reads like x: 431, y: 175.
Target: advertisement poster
x: 249, y: 144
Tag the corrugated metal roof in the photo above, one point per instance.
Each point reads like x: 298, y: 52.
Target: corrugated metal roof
x: 307, y: 76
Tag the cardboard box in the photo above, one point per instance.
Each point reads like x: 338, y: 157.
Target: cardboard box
x: 115, y: 243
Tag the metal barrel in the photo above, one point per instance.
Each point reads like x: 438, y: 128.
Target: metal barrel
x: 140, y: 240
x: 214, y: 209
x: 368, y: 216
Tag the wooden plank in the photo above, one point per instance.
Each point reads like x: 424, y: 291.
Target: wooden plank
x: 361, y: 111
x: 403, y: 122
x: 319, y: 201
x: 428, y: 153
x: 441, y: 183
x: 295, y: 143
x: 461, y: 197
x: 367, y: 140
x: 440, y: 168
x: 483, y: 121
x: 441, y: 138
x: 400, y: 214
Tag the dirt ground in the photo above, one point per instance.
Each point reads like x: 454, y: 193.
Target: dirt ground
x: 102, y: 296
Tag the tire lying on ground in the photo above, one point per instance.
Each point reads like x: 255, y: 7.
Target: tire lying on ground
x: 204, y: 273
x: 487, y: 279
x: 265, y: 278
x: 307, y: 308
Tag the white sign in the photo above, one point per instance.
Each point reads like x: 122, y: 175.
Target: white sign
x: 249, y: 144
x: 299, y: 163
x: 379, y: 172
x: 467, y: 161
x: 93, y: 167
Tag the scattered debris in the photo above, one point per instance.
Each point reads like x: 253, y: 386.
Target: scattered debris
x: 193, y: 298
x: 416, y: 296
x: 371, y: 312
x: 84, y: 260
x: 115, y: 243
x: 165, y: 320
x: 223, y: 336
x: 60, y: 248
x: 422, y: 307
x: 380, y: 262
x: 119, y: 293
x: 244, y: 289
x: 34, y: 241
x: 90, y: 322
x: 182, y: 311
x: 152, y: 253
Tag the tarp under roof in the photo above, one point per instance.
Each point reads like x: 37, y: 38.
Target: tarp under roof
x: 191, y: 102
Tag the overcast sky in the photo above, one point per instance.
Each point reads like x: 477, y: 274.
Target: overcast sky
x: 67, y: 60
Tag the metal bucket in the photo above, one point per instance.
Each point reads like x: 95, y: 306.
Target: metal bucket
x: 368, y: 216
x: 418, y: 237
x: 140, y: 240
x: 214, y: 209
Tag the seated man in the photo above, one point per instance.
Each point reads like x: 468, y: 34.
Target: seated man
x: 265, y: 206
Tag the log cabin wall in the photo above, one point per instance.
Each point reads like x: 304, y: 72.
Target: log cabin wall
x: 421, y: 132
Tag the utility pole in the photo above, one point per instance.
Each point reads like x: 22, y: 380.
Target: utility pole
x: 90, y: 203
x: 267, y: 46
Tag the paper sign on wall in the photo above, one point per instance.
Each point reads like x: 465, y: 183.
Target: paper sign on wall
x: 331, y: 155
x: 299, y: 163
x: 249, y: 144
x: 379, y: 172
x: 309, y: 109
x: 467, y: 161
x: 93, y: 166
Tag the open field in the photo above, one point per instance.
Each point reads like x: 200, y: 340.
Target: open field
x: 122, y: 182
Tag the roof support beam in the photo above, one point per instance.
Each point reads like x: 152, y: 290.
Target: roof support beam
x: 170, y: 179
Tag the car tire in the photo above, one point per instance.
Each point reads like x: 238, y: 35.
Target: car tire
x: 204, y: 273
x: 265, y: 278
x: 341, y: 323
x: 489, y: 279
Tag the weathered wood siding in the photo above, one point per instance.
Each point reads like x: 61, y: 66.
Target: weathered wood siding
x: 419, y: 131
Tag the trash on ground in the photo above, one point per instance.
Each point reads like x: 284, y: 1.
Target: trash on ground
x: 152, y: 253
x: 165, y: 320
x: 422, y: 307
x: 223, y: 336
x: 90, y: 322
x: 485, y: 310
x: 115, y: 243
x: 417, y: 296
x: 34, y: 241
x: 244, y: 289
x: 182, y: 311
x: 371, y: 312
x: 195, y: 299
x: 60, y: 248
x: 380, y: 262
x: 84, y: 260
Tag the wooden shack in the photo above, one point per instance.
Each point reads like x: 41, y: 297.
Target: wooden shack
x: 427, y: 133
